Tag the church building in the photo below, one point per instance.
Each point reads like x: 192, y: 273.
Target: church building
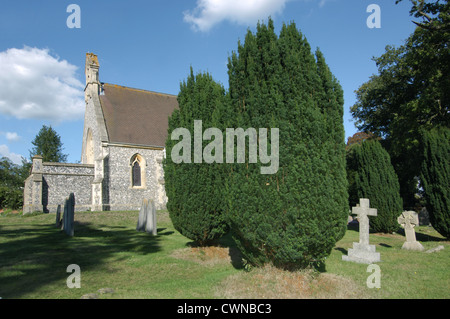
x: 125, y: 131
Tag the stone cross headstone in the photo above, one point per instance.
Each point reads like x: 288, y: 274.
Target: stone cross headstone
x: 362, y: 252
x: 147, y: 217
x: 409, y: 220
x: 69, y: 214
x: 58, y: 217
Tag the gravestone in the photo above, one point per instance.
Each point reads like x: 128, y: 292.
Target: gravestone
x: 142, y: 215
x: 362, y: 252
x: 69, y: 214
x: 409, y: 220
x: 424, y: 217
x: 349, y: 219
x: 436, y: 249
x: 147, y: 217
x: 58, y: 217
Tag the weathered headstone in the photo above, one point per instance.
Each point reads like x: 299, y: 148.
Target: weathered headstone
x: 424, y: 217
x: 150, y: 226
x: 58, y: 217
x: 147, y: 217
x: 142, y: 215
x: 69, y: 215
x: 436, y: 249
x: 362, y: 252
x: 409, y: 220
x: 349, y: 219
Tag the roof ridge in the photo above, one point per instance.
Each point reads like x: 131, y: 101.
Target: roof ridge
x: 138, y: 90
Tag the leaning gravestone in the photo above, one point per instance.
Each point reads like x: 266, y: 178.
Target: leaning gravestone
x: 409, y: 220
x: 58, y: 217
x: 142, y: 216
x: 362, y: 252
x: 69, y: 214
x: 147, y: 217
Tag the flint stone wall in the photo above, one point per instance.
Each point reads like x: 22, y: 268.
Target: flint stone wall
x: 118, y: 192
x: 59, y: 180
x: 50, y: 183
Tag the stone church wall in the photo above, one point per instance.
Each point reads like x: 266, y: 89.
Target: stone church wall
x: 59, y: 180
x: 50, y: 183
x: 118, y: 191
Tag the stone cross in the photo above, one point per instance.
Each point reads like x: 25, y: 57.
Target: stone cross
x: 147, y: 217
x: 363, y: 212
x: 362, y: 252
x: 409, y: 220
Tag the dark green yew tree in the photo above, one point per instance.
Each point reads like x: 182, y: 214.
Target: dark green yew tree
x: 195, y: 190
x: 374, y: 177
x: 294, y: 217
x: 435, y: 177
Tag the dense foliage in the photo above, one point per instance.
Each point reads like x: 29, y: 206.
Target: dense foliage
x: 47, y: 144
x: 195, y: 191
x: 371, y: 175
x: 435, y: 178
x: 410, y: 92
x: 294, y: 217
x: 12, y: 178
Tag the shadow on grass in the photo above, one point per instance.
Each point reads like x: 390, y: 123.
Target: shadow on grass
x: 38, y: 255
x: 422, y: 236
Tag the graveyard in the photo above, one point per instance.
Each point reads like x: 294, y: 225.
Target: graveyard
x: 150, y: 210
x: 119, y: 262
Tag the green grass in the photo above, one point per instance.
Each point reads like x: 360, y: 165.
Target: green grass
x: 34, y: 256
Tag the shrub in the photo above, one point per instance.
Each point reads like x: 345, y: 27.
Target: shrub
x: 195, y: 191
x: 294, y: 217
x: 435, y: 177
x: 11, y: 198
x: 373, y: 177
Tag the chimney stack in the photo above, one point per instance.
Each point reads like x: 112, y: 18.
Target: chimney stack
x: 91, y: 69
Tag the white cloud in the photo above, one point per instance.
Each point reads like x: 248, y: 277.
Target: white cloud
x: 12, y: 136
x: 210, y: 12
x: 36, y: 85
x: 5, y: 152
x: 323, y: 2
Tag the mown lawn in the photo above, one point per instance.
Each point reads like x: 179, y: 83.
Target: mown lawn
x: 34, y: 256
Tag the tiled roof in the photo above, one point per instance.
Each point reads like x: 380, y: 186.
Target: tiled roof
x: 135, y: 116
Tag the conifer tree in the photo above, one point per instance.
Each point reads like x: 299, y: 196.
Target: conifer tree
x: 375, y: 178
x: 435, y: 177
x: 294, y: 217
x: 47, y: 144
x: 195, y: 190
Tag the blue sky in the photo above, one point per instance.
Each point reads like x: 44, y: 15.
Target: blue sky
x: 152, y: 44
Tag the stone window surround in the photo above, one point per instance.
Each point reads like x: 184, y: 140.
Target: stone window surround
x: 143, y: 164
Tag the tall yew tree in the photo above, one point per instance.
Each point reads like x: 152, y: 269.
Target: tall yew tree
x: 374, y: 177
x: 195, y: 190
x: 294, y: 217
x: 435, y: 177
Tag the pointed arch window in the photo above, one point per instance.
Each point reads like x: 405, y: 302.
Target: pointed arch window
x: 137, y: 171
x: 136, y: 174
